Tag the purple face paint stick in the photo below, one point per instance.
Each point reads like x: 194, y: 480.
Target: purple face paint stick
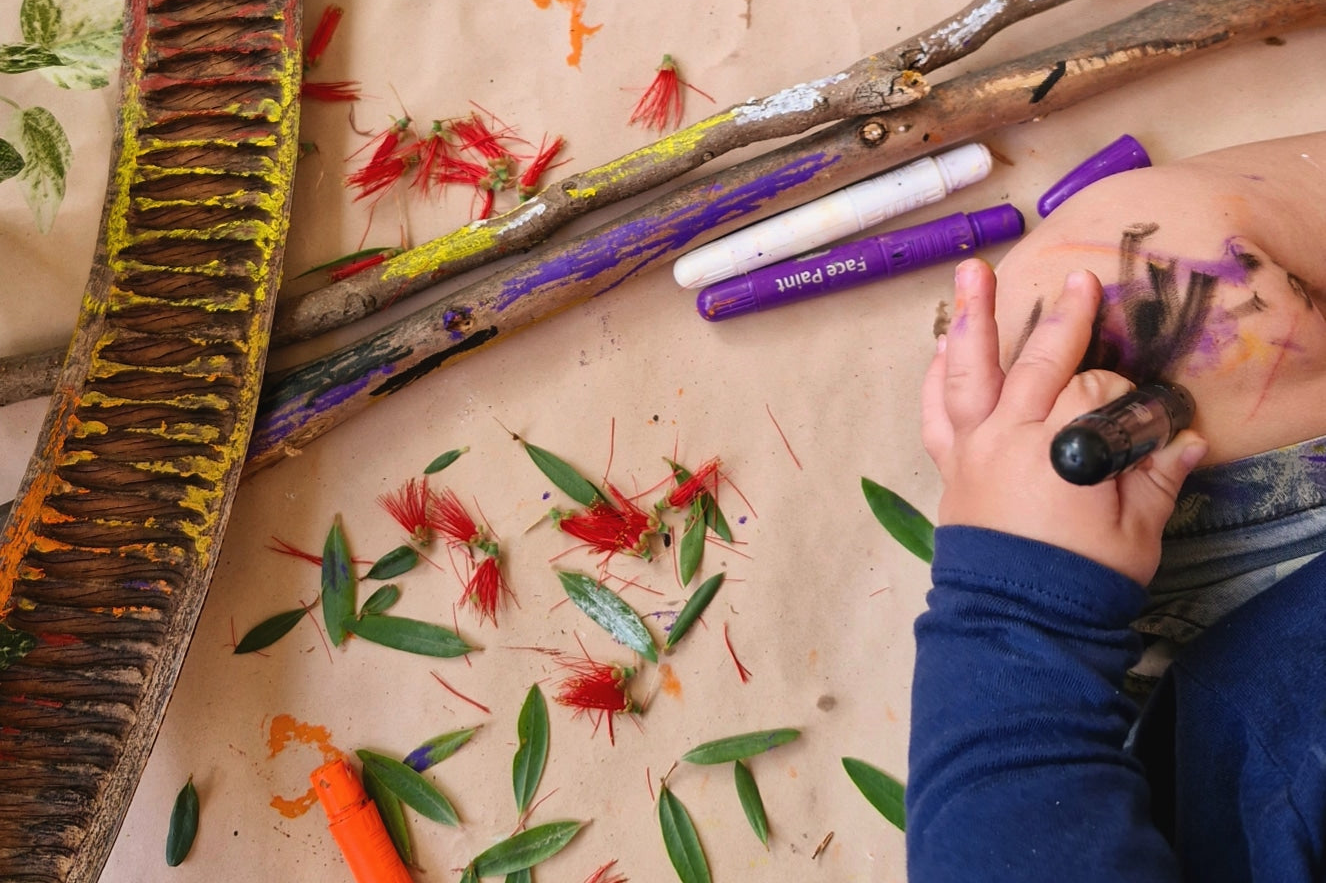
x: 856, y: 263
x: 1118, y: 156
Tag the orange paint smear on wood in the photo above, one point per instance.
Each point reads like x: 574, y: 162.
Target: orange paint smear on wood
x: 670, y: 684
x: 579, y: 30
x: 286, y: 729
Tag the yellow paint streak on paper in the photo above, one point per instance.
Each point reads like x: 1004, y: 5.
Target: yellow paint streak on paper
x: 579, y: 30
x: 284, y: 730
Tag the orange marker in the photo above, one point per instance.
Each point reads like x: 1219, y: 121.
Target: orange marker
x: 354, y: 821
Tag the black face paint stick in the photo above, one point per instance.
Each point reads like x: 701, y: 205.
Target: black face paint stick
x: 1107, y: 441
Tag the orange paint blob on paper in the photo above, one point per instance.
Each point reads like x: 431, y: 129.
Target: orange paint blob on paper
x: 286, y: 729
x: 579, y: 30
x: 671, y: 685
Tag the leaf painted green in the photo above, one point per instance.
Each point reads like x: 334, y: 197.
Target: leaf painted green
x: 14, y: 645
x: 560, y: 473
x: 85, y: 35
x: 11, y: 162
x: 524, y: 875
x: 410, y: 635
x: 694, y: 608
x: 414, y: 790
x: 901, y: 519
x: 526, y: 849
x: 606, y: 608
x: 401, y: 559
x: 438, y: 749
x: 532, y: 748
x: 751, y: 802
x: 269, y: 631
x: 183, y: 824
x: 680, y: 839
x: 17, y: 58
x: 338, y: 583
x: 382, y: 600
x: 692, y: 543
x: 442, y: 461
x: 739, y: 747
x: 41, y: 140
x: 393, y: 815
x: 884, y: 792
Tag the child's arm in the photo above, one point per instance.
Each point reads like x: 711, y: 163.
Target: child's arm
x: 1017, y: 767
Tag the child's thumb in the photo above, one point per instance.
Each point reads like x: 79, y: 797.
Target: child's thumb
x: 1150, y: 490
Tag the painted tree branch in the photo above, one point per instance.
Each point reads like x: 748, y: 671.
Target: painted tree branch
x: 302, y: 405
x: 886, y: 80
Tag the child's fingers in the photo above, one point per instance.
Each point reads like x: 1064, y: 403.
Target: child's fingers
x: 1086, y: 392
x: 936, y: 430
x: 1053, y: 351
x: 973, y: 378
x: 1147, y: 493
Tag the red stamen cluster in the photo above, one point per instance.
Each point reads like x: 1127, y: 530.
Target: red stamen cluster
x: 529, y: 179
x: 703, y: 481
x: 412, y: 506
x: 609, y: 528
x: 661, y: 105
x: 596, y: 689
x: 340, y: 90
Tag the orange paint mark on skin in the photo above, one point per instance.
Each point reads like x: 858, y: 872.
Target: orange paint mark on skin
x: 578, y: 29
x: 792, y: 772
x: 671, y: 685
x: 890, y: 713
x: 284, y: 730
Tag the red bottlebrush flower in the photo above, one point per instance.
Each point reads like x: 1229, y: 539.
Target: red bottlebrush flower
x: 389, y: 161
x: 485, y: 587
x: 412, y: 505
x: 608, y: 528
x: 475, y: 135
x: 601, y: 875
x: 339, y: 90
x: 432, y: 153
x: 346, y: 270
x: 529, y: 179
x: 322, y: 35
x: 596, y: 689
x: 661, y: 105
x: 703, y: 481
x: 447, y: 516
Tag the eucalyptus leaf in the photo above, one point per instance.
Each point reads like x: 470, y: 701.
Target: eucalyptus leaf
x: 438, y: 749
x: 393, y: 815
x: 751, y: 802
x: 442, y: 461
x: 901, y: 519
x: 560, y: 473
x: 382, y: 600
x: 680, y: 839
x: 17, y: 58
x: 14, y: 644
x: 410, y: 635
x: 884, y: 792
x: 338, y: 583
x: 46, y: 156
x: 269, y: 631
x: 524, y: 875
x: 532, y: 748
x: 11, y: 162
x: 183, y: 824
x: 713, y: 516
x: 526, y: 849
x: 413, y: 789
x: 401, y: 559
x: 469, y: 875
x: 692, y: 543
x: 694, y: 608
x: 606, y: 608
x: 739, y: 747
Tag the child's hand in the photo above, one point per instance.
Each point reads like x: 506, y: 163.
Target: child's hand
x: 989, y: 433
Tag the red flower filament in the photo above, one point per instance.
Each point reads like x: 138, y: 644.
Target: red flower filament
x: 475, y: 135
x: 322, y: 35
x: 346, y: 270
x: 447, y: 516
x: 411, y: 505
x: 606, y: 528
x: 388, y: 163
x: 703, y: 481
x: 601, y: 875
x: 485, y: 587
x: 432, y: 153
x: 529, y: 179
x: 338, y: 90
x: 661, y: 105
x: 596, y: 689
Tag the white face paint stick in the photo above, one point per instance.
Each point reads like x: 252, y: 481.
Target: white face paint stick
x: 834, y: 217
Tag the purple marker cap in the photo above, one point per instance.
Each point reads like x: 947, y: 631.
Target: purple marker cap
x: 1118, y: 156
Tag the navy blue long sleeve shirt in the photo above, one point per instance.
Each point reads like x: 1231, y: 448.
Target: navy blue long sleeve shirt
x: 1021, y: 763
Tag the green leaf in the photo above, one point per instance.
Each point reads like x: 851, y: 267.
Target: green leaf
x: 85, y: 35
x: 692, y: 542
x: 11, y: 162
x: 438, y: 749
x: 414, y: 790
x: 410, y: 635
x: 338, y: 583
x: 444, y: 460
x: 901, y: 519
x: 679, y: 836
x: 694, y: 608
x: 39, y: 21
x: 571, y: 483
x: 469, y: 875
x: 713, y: 516
x: 603, y: 605
x: 739, y: 747
x: 526, y: 849
x: 524, y: 875
x: 532, y: 750
x: 382, y: 600
x: 269, y: 631
x: 393, y: 815
x: 46, y: 157
x: 751, y: 803
x: 401, y: 559
x: 14, y: 645
x: 884, y: 792
x: 183, y: 824
x: 17, y: 58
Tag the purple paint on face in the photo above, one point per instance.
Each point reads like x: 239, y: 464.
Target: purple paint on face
x: 648, y: 240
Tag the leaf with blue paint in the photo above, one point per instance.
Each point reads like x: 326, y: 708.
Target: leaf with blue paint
x: 413, y: 789
x: 751, y: 802
x: 740, y: 747
x: 526, y: 849
x: 438, y: 749
x: 884, y: 792
x: 901, y: 519
x: 681, y: 840
x: 694, y: 608
x: 606, y: 608
x: 269, y: 631
x: 532, y: 748
x: 338, y: 583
